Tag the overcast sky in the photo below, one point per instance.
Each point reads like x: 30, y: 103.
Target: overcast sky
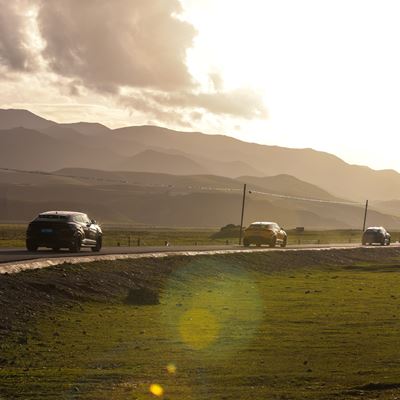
x: 298, y: 73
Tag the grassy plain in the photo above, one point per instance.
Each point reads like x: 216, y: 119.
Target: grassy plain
x: 14, y: 236
x: 263, y: 326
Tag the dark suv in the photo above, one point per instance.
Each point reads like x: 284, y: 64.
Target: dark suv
x: 376, y: 234
x: 63, y: 229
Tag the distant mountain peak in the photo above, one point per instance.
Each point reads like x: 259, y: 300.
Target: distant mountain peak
x: 16, y: 118
x: 88, y: 128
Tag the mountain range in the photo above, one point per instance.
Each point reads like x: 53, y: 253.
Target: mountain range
x: 169, y: 172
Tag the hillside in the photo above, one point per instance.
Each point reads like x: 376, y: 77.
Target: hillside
x: 166, y: 200
x: 155, y: 161
x: 287, y: 185
x: 32, y: 150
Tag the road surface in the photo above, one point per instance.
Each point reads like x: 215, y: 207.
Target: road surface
x: 14, y: 261
x: 20, y: 254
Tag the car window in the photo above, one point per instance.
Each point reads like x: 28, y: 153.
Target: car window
x: 53, y: 217
x: 264, y: 226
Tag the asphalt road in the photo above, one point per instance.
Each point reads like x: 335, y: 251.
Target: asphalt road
x: 20, y: 254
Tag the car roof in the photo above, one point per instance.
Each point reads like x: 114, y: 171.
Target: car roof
x: 263, y: 223
x: 63, y: 213
x: 375, y: 227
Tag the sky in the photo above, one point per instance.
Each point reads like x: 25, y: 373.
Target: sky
x: 322, y: 74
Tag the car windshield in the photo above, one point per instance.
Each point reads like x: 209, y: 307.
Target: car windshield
x: 53, y: 217
x: 263, y: 226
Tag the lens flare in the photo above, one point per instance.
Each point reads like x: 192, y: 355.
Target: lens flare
x: 156, y: 390
x: 171, y: 368
x: 198, y: 328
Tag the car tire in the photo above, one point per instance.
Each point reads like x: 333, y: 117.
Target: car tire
x: 99, y: 243
x: 273, y: 243
x: 76, y: 245
x: 246, y: 243
x: 284, y: 243
x: 31, y: 246
x: 364, y: 243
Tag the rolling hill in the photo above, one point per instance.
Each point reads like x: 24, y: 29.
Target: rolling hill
x: 168, y: 200
x: 287, y: 185
x: 155, y: 161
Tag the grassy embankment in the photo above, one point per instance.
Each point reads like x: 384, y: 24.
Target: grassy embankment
x: 310, y: 325
x: 14, y: 236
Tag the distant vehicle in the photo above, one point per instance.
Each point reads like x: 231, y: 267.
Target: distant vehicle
x: 63, y: 229
x: 269, y: 233
x: 376, y: 234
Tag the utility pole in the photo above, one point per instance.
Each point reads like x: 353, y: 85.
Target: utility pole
x: 241, y: 219
x: 365, y: 215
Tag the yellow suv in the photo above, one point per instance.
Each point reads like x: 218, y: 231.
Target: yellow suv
x: 270, y: 233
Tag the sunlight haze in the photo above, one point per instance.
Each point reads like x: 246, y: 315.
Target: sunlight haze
x: 318, y: 74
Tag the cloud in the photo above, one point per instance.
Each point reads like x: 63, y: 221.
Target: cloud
x: 240, y: 103
x: 15, y: 47
x: 111, y: 44
x: 132, y: 51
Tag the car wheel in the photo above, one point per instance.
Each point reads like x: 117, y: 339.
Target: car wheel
x: 246, y: 243
x: 76, y: 245
x: 284, y: 243
x: 273, y: 243
x: 31, y: 246
x: 99, y: 243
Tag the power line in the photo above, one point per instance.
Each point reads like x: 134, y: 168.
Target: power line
x: 285, y: 196
x: 188, y: 187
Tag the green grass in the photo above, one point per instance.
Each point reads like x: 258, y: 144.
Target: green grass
x: 14, y: 236
x: 231, y: 332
